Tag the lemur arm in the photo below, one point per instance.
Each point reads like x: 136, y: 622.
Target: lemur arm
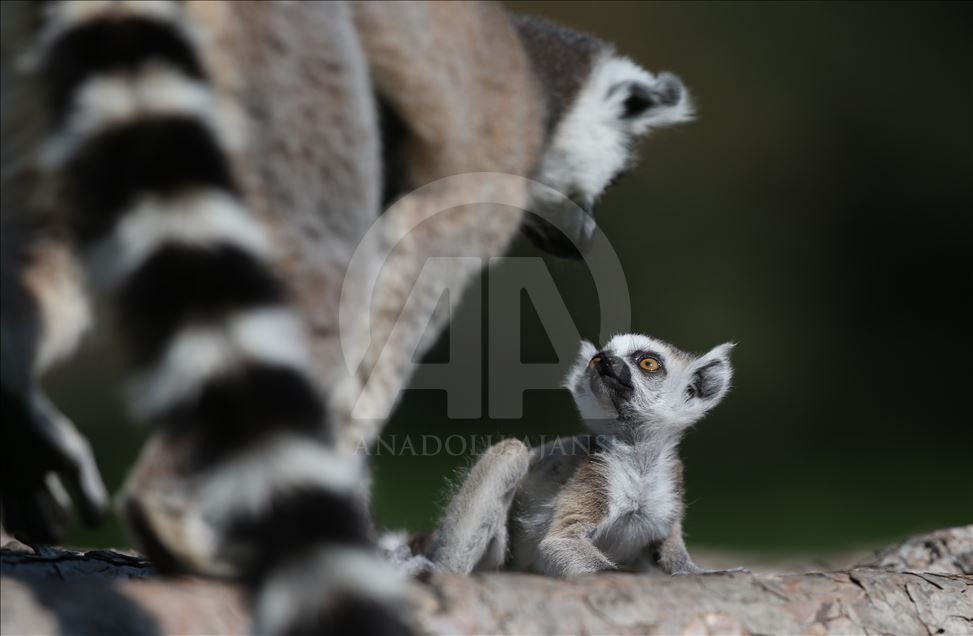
x: 42, y: 318
x: 571, y: 553
x: 671, y: 554
x: 673, y: 557
x: 473, y: 532
x: 567, y: 548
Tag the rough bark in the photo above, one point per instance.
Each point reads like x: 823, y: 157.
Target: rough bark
x: 923, y: 585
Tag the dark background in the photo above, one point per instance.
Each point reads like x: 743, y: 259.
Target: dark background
x: 820, y: 213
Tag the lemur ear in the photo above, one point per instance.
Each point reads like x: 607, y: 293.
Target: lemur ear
x: 711, y: 376
x: 657, y: 101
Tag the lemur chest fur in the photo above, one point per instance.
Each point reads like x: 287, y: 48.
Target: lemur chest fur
x: 642, y: 498
x: 636, y: 489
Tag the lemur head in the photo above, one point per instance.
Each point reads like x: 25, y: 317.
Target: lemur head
x: 599, y: 105
x: 639, y: 381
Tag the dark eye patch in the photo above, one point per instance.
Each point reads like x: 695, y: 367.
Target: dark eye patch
x: 639, y: 100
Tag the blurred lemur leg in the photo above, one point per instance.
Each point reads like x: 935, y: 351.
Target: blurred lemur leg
x: 472, y: 214
x: 240, y: 478
x: 473, y: 533
x: 43, y: 314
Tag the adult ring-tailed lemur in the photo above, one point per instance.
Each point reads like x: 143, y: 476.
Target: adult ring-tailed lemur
x: 205, y: 171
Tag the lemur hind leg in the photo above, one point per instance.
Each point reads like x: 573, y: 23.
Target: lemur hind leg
x: 473, y: 532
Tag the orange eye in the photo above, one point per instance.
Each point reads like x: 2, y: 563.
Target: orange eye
x: 649, y: 364
x: 594, y: 362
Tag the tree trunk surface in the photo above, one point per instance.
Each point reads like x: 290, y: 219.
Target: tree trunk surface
x: 923, y: 585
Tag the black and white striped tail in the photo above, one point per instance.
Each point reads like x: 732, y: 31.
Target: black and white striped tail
x: 220, y: 358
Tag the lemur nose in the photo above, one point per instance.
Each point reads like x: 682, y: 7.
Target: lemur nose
x: 668, y: 89
x: 607, y: 364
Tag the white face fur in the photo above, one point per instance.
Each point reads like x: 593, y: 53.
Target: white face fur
x: 645, y: 382
x: 594, y: 143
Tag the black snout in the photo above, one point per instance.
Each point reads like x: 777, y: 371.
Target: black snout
x: 666, y: 92
x: 614, y: 370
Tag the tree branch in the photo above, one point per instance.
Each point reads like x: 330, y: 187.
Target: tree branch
x: 923, y: 585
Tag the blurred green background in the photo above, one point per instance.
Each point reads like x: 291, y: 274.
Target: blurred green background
x: 820, y: 213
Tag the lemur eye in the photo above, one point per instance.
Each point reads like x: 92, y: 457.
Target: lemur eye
x: 594, y: 362
x: 649, y: 364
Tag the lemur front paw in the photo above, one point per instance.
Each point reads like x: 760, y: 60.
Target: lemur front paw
x: 571, y: 557
x: 53, y: 474
x: 585, y: 568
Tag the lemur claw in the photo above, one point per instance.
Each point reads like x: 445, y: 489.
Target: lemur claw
x: 737, y: 570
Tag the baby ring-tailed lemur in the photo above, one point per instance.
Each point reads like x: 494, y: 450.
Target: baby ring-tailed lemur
x: 610, y: 500
x: 206, y: 169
